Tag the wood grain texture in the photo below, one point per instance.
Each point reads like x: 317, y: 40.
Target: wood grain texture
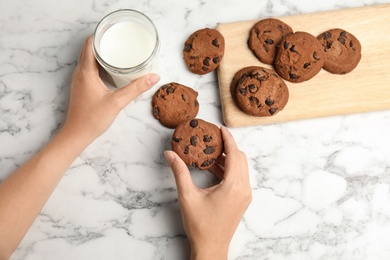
x: 365, y: 89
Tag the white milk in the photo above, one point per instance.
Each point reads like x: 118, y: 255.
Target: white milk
x: 127, y: 44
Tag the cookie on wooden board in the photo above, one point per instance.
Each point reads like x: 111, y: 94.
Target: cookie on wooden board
x: 204, y: 50
x: 260, y: 91
x: 174, y: 103
x: 264, y: 36
x: 299, y: 57
x: 342, y: 51
x: 198, y: 143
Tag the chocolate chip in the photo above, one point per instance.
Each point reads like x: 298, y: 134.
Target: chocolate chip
x: 208, y: 150
x: 205, y: 68
x: 328, y: 45
x: 206, y: 61
x: 280, y: 28
x: 164, y: 87
x: 315, y: 56
x: 215, y: 43
x: 194, y: 123
x: 342, y: 40
x: 293, y: 76
x: 216, y: 60
x: 286, y: 44
x: 207, y: 138
x: 343, y: 34
x: 252, y: 88
x: 242, y: 91
x: 269, y: 41
x: 254, y: 99
x: 176, y: 139
x: 205, y: 163
x: 208, y: 162
x: 261, y: 78
x: 307, y: 64
x: 183, y: 97
x: 170, y: 90
x: 327, y: 35
x: 272, y: 110
x: 186, y: 150
x: 243, y: 77
x: 193, y: 140
x: 187, y: 47
x: 192, y: 57
x: 293, y: 49
x: 196, y: 103
x: 269, y: 102
x: 156, y: 111
x: 194, y: 164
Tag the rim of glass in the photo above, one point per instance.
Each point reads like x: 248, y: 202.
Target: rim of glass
x: 124, y: 70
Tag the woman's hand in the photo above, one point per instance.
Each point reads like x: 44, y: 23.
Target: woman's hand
x: 93, y: 107
x: 211, y: 215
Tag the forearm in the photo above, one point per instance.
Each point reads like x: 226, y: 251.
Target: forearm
x: 26, y: 191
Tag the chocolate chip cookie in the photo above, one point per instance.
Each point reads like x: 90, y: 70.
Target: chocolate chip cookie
x: 260, y: 91
x: 264, y: 36
x: 299, y: 57
x: 342, y: 51
x: 174, y: 103
x: 198, y: 143
x: 204, y: 50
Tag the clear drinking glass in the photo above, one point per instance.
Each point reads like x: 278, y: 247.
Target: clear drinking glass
x: 131, y: 26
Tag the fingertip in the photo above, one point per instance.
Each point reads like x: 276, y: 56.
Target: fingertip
x: 228, y: 140
x: 180, y: 172
x: 90, y: 38
x: 136, y: 88
x: 152, y: 79
x: 169, y: 156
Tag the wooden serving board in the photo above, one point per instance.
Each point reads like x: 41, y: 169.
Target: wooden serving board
x: 367, y: 88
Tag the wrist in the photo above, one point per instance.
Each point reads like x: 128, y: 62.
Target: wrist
x: 78, y: 137
x: 209, y: 252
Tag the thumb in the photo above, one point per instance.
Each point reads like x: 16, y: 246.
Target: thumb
x: 180, y: 171
x: 128, y: 93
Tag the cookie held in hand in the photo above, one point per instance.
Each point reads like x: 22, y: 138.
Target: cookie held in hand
x: 198, y: 143
x: 204, y: 50
x: 174, y: 103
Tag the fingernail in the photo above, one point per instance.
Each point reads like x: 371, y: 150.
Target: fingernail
x: 152, y: 79
x: 169, y: 156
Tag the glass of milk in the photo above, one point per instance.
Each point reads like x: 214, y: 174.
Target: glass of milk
x: 126, y: 45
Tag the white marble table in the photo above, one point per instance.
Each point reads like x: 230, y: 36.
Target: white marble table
x: 321, y: 187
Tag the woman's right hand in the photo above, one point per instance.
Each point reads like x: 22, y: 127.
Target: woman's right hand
x: 211, y: 215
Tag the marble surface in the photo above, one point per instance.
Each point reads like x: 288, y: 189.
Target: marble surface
x: 321, y: 187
